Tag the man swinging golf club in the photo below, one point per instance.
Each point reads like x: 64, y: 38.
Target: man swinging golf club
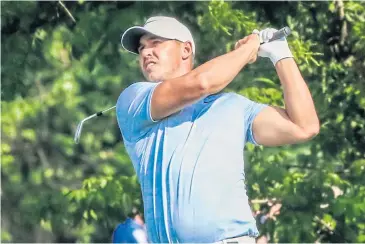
x: 186, y: 138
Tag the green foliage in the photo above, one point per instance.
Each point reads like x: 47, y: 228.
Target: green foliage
x: 56, y: 72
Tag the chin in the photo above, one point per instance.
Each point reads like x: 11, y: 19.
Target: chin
x: 154, y: 77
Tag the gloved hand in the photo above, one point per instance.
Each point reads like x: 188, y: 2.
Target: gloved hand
x: 275, y: 50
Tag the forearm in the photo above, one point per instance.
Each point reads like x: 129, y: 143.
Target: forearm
x: 211, y: 77
x: 217, y: 73
x: 299, y: 104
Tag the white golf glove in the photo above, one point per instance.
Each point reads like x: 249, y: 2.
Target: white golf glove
x: 275, y: 50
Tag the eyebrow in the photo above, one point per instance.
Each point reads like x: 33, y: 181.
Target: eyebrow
x: 151, y: 38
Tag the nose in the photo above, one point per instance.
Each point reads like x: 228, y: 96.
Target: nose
x: 144, y: 55
x: 146, y: 52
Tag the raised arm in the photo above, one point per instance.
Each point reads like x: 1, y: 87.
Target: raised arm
x: 172, y: 95
x: 298, y: 121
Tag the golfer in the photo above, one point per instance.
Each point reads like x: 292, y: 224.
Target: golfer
x: 186, y: 138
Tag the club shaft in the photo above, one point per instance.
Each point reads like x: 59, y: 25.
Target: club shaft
x: 283, y: 32
x: 106, y: 110
x: 79, y: 127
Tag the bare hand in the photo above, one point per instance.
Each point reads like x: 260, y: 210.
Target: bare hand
x: 275, y: 210
x: 251, y: 41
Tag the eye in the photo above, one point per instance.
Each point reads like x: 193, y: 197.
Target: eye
x: 155, y: 42
x: 140, y: 48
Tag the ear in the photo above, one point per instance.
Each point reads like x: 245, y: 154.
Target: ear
x: 187, y: 50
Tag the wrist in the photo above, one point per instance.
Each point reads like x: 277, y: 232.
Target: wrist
x: 253, y: 46
x: 247, y: 52
x: 285, y: 64
x: 252, y: 49
x: 280, y: 55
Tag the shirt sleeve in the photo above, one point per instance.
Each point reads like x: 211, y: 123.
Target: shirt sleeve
x: 117, y: 236
x: 251, y: 110
x: 140, y: 236
x: 134, y: 110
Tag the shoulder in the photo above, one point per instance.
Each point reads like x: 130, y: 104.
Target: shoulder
x: 237, y: 96
x: 139, y: 85
x: 244, y: 103
x: 135, y: 88
x: 119, y: 229
x: 241, y: 99
x: 123, y: 226
x: 233, y: 97
x: 135, y: 92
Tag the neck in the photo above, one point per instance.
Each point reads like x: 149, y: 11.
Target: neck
x: 183, y: 70
x: 138, y: 220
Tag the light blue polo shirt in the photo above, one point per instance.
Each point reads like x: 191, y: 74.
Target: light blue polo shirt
x: 190, y: 165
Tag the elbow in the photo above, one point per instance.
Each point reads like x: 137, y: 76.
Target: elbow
x: 203, y: 86
x: 196, y: 86
x: 312, y: 131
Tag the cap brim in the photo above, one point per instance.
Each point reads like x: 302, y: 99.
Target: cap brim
x: 131, y: 37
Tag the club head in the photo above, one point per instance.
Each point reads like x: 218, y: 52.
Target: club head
x: 78, y: 132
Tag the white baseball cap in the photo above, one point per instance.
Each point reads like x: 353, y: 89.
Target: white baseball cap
x: 165, y: 27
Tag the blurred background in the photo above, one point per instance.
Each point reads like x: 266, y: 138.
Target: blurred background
x: 62, y: 61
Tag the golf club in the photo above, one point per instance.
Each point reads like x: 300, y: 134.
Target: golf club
x: 283, y: 32
x: 79, y: 126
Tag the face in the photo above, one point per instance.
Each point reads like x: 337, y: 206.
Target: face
x: 159, y: 58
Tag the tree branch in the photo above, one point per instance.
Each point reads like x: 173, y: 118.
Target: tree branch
x: 343, y: 22
x: 66, y: 10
